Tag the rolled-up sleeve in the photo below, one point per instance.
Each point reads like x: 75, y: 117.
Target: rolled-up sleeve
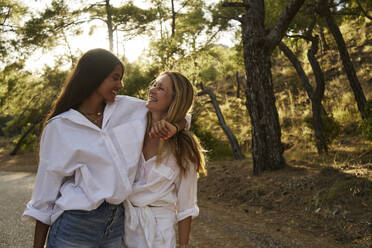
x: 187, y: 195
x: 48, y: 179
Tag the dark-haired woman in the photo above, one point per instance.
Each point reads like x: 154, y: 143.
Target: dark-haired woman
x: 165, y: 188
x: 89, y: 150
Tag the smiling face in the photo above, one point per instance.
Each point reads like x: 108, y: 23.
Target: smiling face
x: 160, y: 94
x: 111, y: 85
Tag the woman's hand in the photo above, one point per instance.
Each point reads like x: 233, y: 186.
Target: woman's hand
x: 163, y: 130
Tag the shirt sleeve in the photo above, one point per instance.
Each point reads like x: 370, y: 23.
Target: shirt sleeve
x: 52, y: 170
x: 187, y: 195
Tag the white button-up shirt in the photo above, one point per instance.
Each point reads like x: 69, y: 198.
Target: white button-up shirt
x: 82, y: 165
x: 161, y: 196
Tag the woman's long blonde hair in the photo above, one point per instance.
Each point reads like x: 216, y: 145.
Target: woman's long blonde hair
x: 184, y: 145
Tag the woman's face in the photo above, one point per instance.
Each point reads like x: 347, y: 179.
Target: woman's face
x: 160, y: 94
x: 111, y: 85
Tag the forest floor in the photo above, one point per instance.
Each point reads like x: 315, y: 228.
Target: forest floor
x: 313, y: 202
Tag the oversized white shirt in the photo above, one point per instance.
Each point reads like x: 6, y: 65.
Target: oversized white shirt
x: 82, y: 165
x: 161, y: 196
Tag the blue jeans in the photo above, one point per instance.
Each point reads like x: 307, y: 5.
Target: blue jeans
x: 99, y: 228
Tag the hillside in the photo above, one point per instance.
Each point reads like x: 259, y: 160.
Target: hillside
x: 328, y: 197
x: 292, y: 102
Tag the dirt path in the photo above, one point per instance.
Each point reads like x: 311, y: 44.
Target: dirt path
x: 223, y: 226
x: 216, y: 226
x: 263, y: 221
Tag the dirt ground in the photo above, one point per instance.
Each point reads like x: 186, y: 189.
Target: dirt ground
x: 314, y: 202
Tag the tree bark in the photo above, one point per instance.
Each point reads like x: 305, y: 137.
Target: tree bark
x: 238, y: 85
x: 365, y: 12
x: 360, y: 98
x: 109, y: 25
x: 325, y: 45
x: 316, y: 100
x: 221, y: 120
x: 301, y: 73
x: 267, y: 149
x: 266, y: 134
x: 173, y: 19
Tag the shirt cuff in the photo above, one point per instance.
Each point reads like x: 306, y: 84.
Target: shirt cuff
x: 194, y: 211
x: 32, y: 213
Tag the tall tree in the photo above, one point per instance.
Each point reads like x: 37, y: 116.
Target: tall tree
x: 221, y: 120
x: 11, y: 13
x: 316, y: 99
x: 109, y: 24
x: 325, y: 12
x: 60, y: 18
x: 258, y: 45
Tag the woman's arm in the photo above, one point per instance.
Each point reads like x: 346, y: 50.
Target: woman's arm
x: 184, y: 227
x: 165, y: 130
x: 41, y: 231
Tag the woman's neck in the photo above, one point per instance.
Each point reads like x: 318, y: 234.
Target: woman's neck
x: 93, y: 105
x: 157, y: 116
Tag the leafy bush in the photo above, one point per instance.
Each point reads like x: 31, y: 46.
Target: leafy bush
x: 331, y: 128
x: 365, y: 125
x: 30, y: 142
x: 216, y: 149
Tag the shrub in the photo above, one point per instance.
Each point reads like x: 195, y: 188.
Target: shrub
x: 331, y: 128
x: 216, y: 149
x: 365, y: 125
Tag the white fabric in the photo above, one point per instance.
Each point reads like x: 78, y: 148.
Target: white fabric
x: 82, y: 165
x: 161, y: 197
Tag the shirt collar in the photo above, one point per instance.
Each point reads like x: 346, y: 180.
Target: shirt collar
x: 77, y: 117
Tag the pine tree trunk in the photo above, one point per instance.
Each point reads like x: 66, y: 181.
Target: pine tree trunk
x: 360, y: 98
x: 325, y: 45
x: 238, y: 85
x: 316, y: 100
x: 301, y: 73
x: 221, y: 120
x: 109, y: 25
x: 173, y: 19
x: 267, y: 148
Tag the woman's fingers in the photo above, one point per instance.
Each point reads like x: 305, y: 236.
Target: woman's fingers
x: 172, y: 130
x: 163, y: 130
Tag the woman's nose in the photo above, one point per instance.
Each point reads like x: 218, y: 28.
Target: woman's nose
x: 152, y: 89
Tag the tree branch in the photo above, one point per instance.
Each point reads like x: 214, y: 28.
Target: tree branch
x: 236, y: 4
x: 363, y: 10
x: 299, y: 36
x: 277, y: 33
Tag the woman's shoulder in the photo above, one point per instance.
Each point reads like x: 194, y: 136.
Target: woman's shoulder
x: 61, y: 118
x: 129, y: 99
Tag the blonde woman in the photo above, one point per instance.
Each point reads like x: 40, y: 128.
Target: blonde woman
x: 165, y: 187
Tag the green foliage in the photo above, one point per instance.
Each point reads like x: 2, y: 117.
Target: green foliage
x: 11, y: 13
x: 30, y: 143
x: 366, y: 125
x: 331, y: 128
x: 24, y: 99
x: 209, y: 73
x: 216, y: 149
x: 137, y: 80
x: 46, y: 29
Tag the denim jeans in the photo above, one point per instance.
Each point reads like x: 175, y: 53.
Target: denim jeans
x: 99, y: 228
